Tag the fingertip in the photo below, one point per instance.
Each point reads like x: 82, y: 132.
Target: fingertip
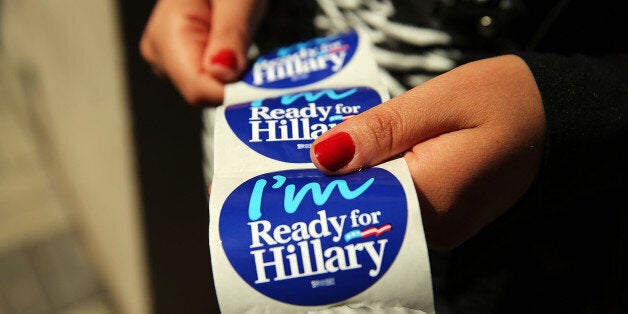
x: 233, y: 24
x: 225, y: 58
x: 333, y: 153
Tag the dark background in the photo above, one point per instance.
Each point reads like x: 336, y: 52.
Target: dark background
x: 167, y: 135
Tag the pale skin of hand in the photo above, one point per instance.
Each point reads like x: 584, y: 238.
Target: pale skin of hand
x: 472, y: 138
x: 182, y: 37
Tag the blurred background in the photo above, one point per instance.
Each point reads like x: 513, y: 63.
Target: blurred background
x: 102, y: 199
x: 103, y: 205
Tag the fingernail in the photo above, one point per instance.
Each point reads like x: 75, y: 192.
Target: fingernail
x: 335, y: 152
x: 225, y: 58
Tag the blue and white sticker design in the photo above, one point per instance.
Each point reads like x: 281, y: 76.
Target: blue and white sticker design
x: 303, y: 63
x: 284, y: 128
x: 303, y: 238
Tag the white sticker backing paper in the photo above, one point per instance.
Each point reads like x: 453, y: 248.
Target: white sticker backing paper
x: 284, y: 238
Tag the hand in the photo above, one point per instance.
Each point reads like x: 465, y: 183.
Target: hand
x: 200, y: 44
x: 472, y: 138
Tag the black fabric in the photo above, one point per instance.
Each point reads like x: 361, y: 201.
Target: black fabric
x: 167, y: 140
x: 562, y: 248
x: 586, y: 108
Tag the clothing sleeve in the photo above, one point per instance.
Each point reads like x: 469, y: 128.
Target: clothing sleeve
x: 586, y: 107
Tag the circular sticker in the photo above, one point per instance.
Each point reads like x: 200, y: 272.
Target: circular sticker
x: 303, y: 63
x: 283, y: 128
x: 303, y: 238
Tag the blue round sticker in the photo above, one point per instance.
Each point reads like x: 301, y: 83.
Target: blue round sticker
x: 303, y: 63
x: 304, y: 238
x: 283, y: 128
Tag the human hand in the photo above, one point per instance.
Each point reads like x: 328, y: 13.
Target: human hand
x: 200, y: 44
x: 472, y: 138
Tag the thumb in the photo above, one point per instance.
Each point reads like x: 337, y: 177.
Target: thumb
x: 232, y: 26
x: 391, y: 128
x: 473, y: 140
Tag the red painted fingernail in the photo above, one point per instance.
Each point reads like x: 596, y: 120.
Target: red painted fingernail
x: 335, y: 152
x: 225, y: 58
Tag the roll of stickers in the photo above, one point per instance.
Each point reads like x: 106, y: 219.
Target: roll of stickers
x: 285, y: 238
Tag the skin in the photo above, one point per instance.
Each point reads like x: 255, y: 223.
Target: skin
x: 182, y: 36
x: 472, y: 138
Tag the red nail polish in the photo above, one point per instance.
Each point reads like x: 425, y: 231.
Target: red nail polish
x: 336, y: 151
x: 225, y: 58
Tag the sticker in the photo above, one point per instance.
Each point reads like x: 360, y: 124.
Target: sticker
x: 303, y: 63
x: 283, y: 128
x: 303, y: 238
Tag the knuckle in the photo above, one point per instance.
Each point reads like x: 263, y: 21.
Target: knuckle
x: 192, y: 97
x: 238, y: 33
x: 197, y: 97
x: 146, y: 50
x: 384, y: 126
